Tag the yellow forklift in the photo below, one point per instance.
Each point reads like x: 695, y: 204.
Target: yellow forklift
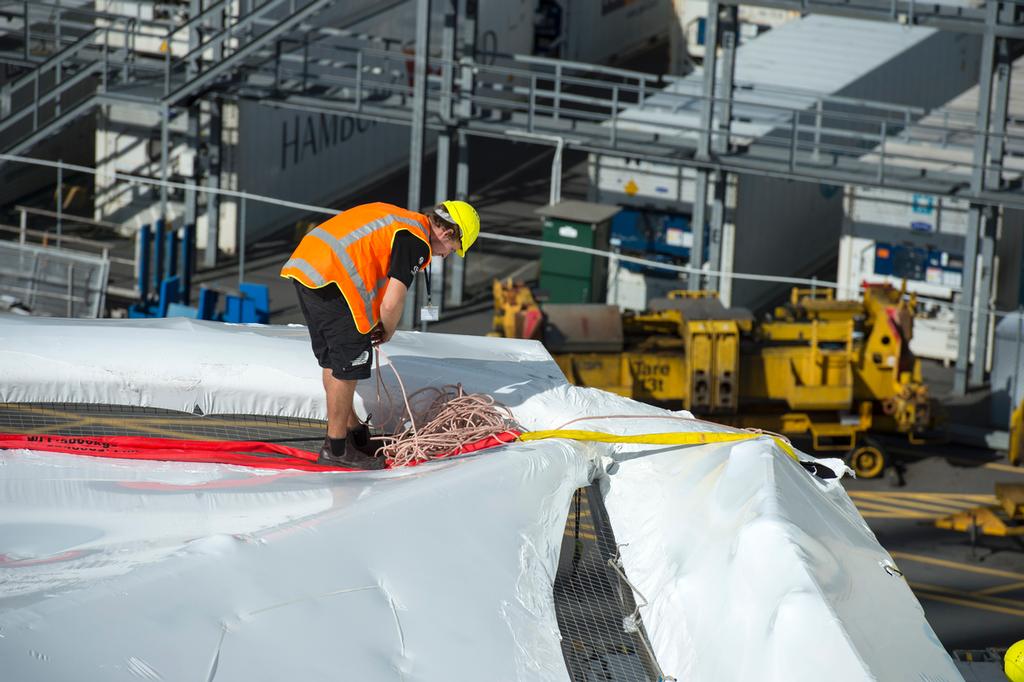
x: 835, y: 373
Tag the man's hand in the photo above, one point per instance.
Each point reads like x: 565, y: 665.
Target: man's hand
x: 378, y: 335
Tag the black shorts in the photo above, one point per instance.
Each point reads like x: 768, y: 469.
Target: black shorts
x: 337, y: 344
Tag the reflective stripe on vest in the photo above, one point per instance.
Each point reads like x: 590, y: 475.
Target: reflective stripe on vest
x: 339, y: 245
x: 308, y: 270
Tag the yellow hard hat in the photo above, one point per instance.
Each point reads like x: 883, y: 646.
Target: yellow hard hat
x: 466, y: 217
x: 1013, y: 662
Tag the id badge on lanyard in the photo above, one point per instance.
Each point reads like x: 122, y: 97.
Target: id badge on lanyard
x: 429, y: 313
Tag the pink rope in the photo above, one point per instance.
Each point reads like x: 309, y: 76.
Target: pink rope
x: 452, y: 419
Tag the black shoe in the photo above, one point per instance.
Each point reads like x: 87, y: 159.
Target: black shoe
x: 350, y: 459
x: 359, y: 436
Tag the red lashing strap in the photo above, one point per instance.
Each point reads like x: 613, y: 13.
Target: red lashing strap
x: 206, y: 451
x: 482, y: 444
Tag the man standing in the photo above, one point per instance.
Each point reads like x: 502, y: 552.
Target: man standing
x: 351, y: 275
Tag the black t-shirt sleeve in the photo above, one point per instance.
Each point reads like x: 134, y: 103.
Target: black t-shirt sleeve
x: 408, y: 254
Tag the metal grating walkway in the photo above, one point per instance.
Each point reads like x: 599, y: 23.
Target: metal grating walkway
x: 67, y: 419
x: 593, y: 603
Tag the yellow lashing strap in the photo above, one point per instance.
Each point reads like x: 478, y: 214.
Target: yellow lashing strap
x: 672, y: 438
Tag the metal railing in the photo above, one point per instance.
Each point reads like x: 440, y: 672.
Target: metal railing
x: 283, y: 59
x: 988, y: 311
x: 609, y: 111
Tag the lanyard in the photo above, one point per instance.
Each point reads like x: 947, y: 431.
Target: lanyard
x: 426, y: 276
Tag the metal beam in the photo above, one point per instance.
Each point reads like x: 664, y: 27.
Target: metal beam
x: 467, y: 10
x: 956, y: 18
x: 213, y: 158
x: 976, y: 214
x: 720, y: 145
x: 707, y: 111
x: 444, y: 143
x: 164, y: 160
x: 984, y: 324
x: 418, y: 118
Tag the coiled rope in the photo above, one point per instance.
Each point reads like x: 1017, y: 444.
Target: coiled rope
x: 451, y: 420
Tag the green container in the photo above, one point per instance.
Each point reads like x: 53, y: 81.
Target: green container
x: 572, y: 277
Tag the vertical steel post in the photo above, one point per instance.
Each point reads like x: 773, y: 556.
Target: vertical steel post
x: 158, y: 254
x: 193, y: 113
x: 720, y: 145
x: 707, y: 110
x: 28, y: 31
x: 556, y: 173
x: 213, y: 142
x: 142, y: 262
x: 975, y: 215
x: 71, y: 289
x: 992, y: 216
x: 164, y: 160
x: 191, y: 197
x: 188, y: 240
x: 22, y: 226
x: 172, y: 252
x: 59, y: 201
x: 444, y: 142
x: 57, y: 69
x: 467, y: 52
x: 1015, y: 391
x: 241, y: 243
x: 418, y: 124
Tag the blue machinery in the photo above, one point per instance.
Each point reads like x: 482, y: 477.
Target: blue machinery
x: 171, y: 260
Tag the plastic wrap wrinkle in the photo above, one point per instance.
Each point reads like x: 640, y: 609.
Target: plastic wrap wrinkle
x: 448, y: 595
x: 749, y: 574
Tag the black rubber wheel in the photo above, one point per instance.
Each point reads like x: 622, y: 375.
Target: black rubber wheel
x: 868, y: 461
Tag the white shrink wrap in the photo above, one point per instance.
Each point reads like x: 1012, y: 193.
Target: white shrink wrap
x: 746, y: 565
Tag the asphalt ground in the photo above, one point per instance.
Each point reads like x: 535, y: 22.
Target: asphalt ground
x: 972, y: 589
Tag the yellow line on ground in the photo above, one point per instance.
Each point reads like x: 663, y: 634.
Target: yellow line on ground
x: 946, y: 508
x: 51, y: 428
x: 1009, y: 587
x: 585, y: 536
x: 17, y: 407
x: 981, y: 499
x: 951, y: 497
x: 208, y: 421
x: 1012, y: 607
x: 1005, y: 467
x: 865, y: 506
x: 894, y: 515
x: 969, y: 604
x: 141, y: 428
x: 971, y: 568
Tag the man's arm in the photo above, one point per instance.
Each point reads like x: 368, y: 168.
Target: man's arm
x: 391, y: 307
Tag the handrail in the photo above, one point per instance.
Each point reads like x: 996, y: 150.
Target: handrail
x: 66, y: 216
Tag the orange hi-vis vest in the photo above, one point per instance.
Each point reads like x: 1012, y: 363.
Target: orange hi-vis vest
x: 353, y: 250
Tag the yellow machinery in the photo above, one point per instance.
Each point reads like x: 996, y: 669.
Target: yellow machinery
x: 1016, y: 435
x: 824, y: 369
x: 1005, y: 519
